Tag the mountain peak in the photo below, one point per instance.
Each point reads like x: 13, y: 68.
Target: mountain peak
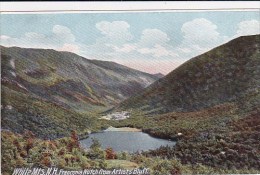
x: 159, y: 75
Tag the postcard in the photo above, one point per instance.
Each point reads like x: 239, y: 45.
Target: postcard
x: 160, y: 88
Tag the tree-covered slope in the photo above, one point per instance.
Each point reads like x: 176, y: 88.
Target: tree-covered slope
x: 228, y: 73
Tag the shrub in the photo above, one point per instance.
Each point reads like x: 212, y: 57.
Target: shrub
x: 110, y: 154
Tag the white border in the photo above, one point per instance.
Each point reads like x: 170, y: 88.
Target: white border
x: 43, y: 7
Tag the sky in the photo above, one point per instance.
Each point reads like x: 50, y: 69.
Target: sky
x: 153, y: 42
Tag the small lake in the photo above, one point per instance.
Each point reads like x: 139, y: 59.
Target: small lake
x: 126, y: 141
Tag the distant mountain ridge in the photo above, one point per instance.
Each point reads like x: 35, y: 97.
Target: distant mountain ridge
x: 48, y: 91
x: 159, y: 75
x: 230, y: 72
x: 67, y: 76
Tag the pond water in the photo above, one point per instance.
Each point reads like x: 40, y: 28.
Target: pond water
x: 126, y: 141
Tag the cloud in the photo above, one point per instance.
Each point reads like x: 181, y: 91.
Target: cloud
x: 126, y: 48
x: 184, y: 50
x: 157, y: 51
x: 152, y: 42
x: 151, y: 37
x: 199, y: 36
x: 6, y: 40
x: 251, y: 27
x: 4, y: 37
x: 117, y: 37
x: 70, y: 48
x: 63, y: 34
x: 33, y: 35
x: 116, y: 32
x: 114, y: 39
x: 59, y: 38
x: 201, y: 32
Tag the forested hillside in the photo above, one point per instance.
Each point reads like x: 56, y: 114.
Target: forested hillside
x: 228, y: 73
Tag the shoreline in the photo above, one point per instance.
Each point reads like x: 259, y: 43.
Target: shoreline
x: 123, y: 129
